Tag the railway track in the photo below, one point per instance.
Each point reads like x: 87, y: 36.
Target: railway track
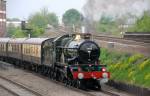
x: 120, y: 40
x: 15, y: 88
x: 110, y: 38
x: 113, y: 39
x: 25, y: 90
x: 87, y: 92
x: 138, y: 36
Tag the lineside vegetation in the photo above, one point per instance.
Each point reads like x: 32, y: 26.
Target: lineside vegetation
x: 131, y: 69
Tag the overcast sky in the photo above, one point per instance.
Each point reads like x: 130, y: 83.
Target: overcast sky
x: 23, y: 8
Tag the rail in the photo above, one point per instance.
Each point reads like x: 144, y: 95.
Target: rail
x: 16, y: 88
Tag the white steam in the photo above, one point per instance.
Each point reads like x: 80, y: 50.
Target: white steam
x: 94, y: 9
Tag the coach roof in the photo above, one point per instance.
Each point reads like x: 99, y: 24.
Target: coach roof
x: 17, y: 40
x: 4, y: 40
x: 35, y: 40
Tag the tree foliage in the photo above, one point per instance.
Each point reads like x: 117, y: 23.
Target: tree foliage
x: 42, y: 18
x: 13, y: 31
x: 39, y: 21
x: 142, y: 24
x: 72, y: 17
x: 106, y: 25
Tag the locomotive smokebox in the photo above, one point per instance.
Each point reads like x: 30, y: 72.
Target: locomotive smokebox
x: 89, y: 52
x: 85, y: 51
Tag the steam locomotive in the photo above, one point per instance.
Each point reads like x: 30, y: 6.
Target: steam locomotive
x: 72, y: 58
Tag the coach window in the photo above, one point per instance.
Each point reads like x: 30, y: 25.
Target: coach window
x: 8, y: 47
x: 17, y: 47
x: 34, y: 50
x: 24, y: 47
x: 11, y: 47
x: 14, y: 47
x: 29, y: 48
x: 2, y: 47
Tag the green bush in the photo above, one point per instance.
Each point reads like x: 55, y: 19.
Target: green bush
x: 142, y: 24
x: 132, y: 69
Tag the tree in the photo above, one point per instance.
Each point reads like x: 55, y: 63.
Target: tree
x: 72, y: 17
x: 106, y: 25
x: 13, y: 31
x: 39, y: 21
x: 142, y: 24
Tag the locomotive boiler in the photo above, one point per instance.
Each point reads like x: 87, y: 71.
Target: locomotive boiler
x: 81, y: 50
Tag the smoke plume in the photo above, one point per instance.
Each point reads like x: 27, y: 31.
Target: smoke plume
x: 94, y: 9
